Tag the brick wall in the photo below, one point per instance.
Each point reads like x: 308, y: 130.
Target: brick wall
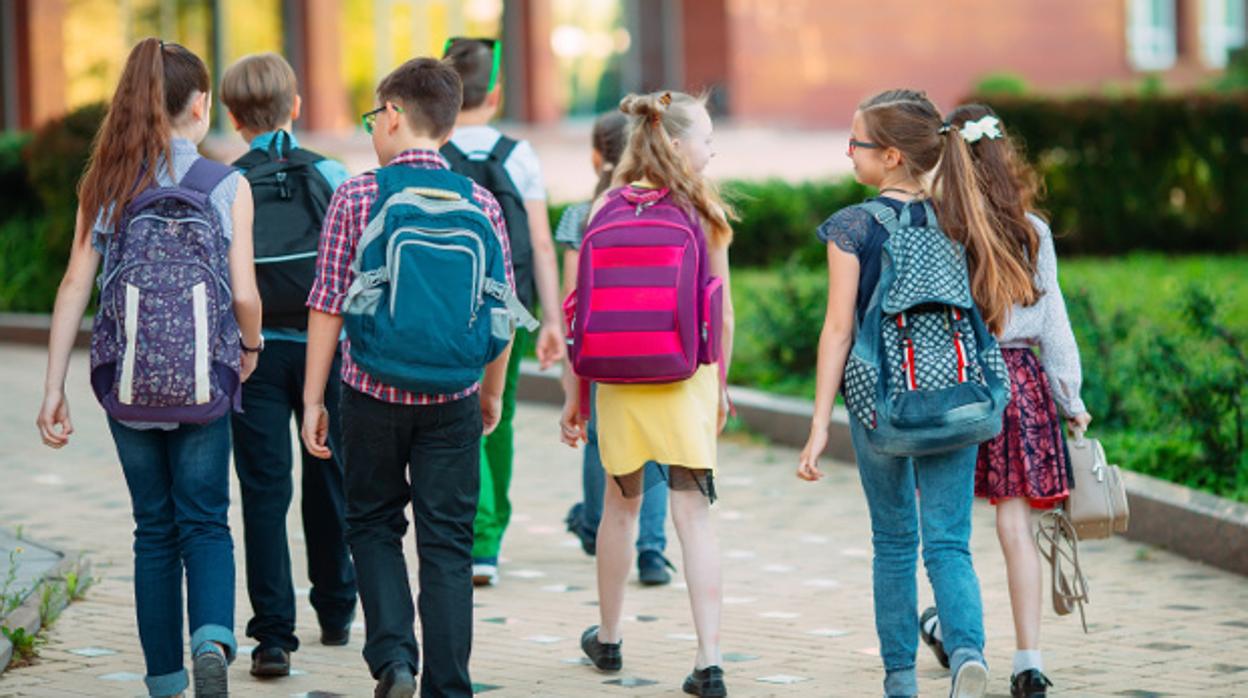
x: 809, y: 62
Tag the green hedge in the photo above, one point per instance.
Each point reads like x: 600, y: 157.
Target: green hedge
x: 1164, y: 172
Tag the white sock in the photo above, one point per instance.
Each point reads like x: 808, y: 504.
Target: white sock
x: 1027, y: 659
x: 933, y: 628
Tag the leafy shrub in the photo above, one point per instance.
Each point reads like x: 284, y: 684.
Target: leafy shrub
x: 1163, y: 172
x: 55, y: 160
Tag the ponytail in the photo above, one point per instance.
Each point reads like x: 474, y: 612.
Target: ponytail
x: 651, y: 155
x: 156, y: 86
x: 999, y: 279
x: 908, y: 121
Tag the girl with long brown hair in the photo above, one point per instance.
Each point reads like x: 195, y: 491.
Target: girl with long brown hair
x: 900, y: 144
x: 663, y: 431
x: 177, y: 469
x: 1025, y: 466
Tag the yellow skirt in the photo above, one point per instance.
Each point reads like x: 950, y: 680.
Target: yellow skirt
x: 671, y: 423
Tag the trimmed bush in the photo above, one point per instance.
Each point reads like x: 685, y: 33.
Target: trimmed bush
x: 1161, y: 173
x: 55, y: 160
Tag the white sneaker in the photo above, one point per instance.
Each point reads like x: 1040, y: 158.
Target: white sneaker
x: 971, y: 681
x: 484, y: 575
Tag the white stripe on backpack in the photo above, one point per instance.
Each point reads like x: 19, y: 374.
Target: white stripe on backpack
x: 125, y: 391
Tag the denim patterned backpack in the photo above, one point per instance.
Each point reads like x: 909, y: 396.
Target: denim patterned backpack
x: 165, y: 345
x: 924, y: 376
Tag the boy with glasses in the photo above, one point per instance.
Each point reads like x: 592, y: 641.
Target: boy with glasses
x: 404, y: 442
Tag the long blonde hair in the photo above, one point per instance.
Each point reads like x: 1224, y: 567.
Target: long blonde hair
x: 908, y: 121
x: 657, y: 119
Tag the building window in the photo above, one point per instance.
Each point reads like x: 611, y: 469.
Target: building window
x: 1151, y: 34
x: 1222, y: 29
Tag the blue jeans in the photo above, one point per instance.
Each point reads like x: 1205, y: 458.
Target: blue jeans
x: 179, y: 485
x: 652, y: 535
x: 941, y: 513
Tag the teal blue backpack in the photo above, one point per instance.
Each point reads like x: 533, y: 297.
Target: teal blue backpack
x: 430, y: 305
x: 924, y: 376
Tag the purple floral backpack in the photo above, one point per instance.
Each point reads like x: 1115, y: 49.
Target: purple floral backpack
x: 165, y: 345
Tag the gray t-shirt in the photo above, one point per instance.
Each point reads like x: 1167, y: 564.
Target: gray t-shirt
x: 184, y: 155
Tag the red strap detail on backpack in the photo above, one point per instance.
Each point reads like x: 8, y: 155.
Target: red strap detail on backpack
x: 907, y: 358
x: 957, y: 346
x: 583, y: 389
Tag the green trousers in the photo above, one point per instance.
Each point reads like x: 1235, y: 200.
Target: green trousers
x: 497, y: 453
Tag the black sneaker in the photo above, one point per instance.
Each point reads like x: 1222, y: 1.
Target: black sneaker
x: 336, y: 637
x: 396, y: 681
x: 1029, y: 684
x: 270, y: 662
x: 652, y: 568
x: 605, y: 656
x: 211, y: 673
x: 573, y: 520
x: 929, y: 639
x: 708, y: 682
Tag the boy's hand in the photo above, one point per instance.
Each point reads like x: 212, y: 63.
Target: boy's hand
x: 491, y: 412
x: 550, y: 344
x: 250, y: 360
x: 315, y: 430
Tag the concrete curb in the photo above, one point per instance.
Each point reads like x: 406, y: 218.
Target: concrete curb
x: 1196, y: 525
x: 27, y: 616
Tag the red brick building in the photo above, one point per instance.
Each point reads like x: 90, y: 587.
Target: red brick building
x: 781, y: 62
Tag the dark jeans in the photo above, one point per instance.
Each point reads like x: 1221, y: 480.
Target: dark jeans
x: 428, y: 455
x: 262, y: 458
x: 179, y: 483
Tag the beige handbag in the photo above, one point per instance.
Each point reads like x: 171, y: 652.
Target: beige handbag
x: 1097, y: 506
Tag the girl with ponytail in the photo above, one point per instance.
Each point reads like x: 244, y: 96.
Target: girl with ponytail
x: 607, y: 139
x: 900, y: 144
x: 177, y: 473
x: 654, y: 432
x: 1025, y: 466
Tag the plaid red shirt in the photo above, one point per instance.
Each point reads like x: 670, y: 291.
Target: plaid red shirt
x: 344, y: 224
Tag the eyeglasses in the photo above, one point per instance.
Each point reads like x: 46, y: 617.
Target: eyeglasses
x: 369, y: 119
x: 494, y: 45
x: 855, y: 144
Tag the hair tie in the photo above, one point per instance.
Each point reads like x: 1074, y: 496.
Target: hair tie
x: 985, y: 127
x: 666, y: 99
x: 945, y: 127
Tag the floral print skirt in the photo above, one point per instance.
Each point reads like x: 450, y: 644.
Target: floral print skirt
x: 1028, y: 458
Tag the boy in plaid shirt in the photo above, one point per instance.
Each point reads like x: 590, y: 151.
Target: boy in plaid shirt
x: 399, y: 445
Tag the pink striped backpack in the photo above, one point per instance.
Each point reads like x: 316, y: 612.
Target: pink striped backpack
x: 646, y: 308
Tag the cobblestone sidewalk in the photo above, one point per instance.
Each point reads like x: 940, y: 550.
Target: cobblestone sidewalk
x: 797, y: 614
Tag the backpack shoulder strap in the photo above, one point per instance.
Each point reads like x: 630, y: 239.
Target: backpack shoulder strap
x: 883, y: 214
x: 503, y: 148
x: 453, y: 154
x: 205, y: 175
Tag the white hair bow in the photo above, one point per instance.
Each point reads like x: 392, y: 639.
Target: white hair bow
x: 987, y: 126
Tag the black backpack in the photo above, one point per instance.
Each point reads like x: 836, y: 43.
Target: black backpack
x: 491, y: 174
x: 291, y: 198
